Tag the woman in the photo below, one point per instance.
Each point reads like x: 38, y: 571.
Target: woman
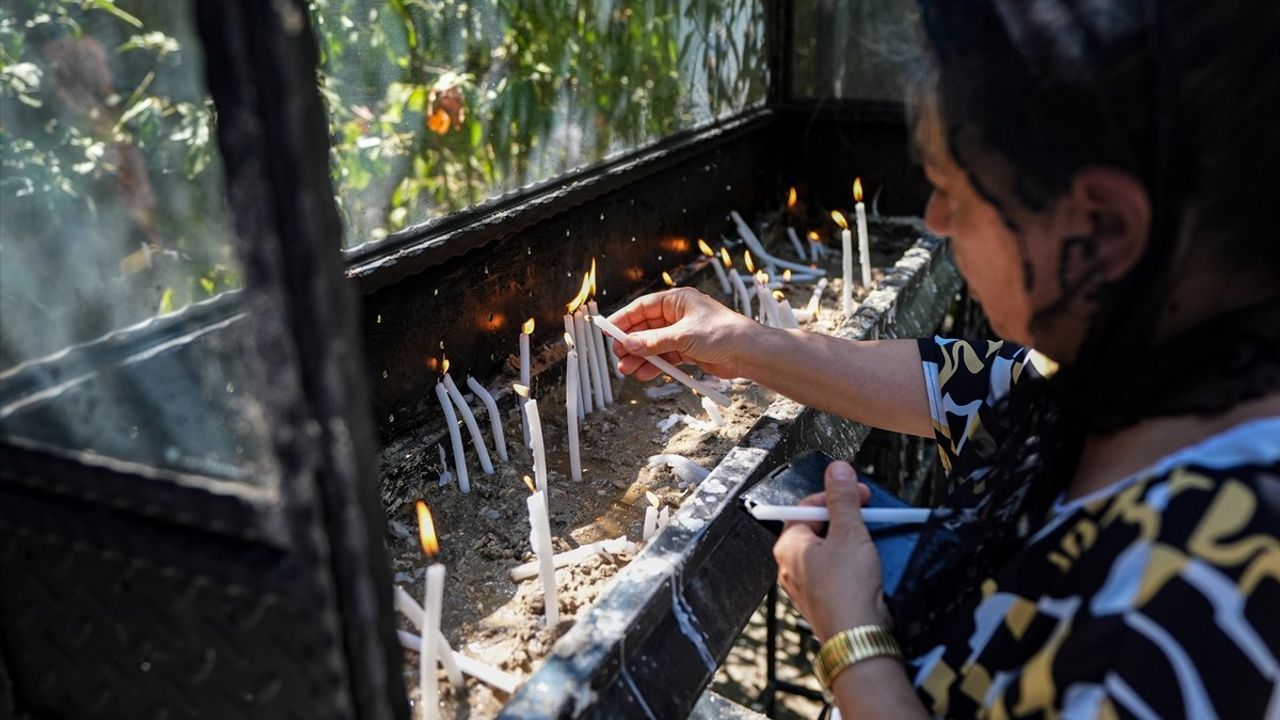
x: 1107, y: 173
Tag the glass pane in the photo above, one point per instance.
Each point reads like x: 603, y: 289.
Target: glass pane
x: 853, y: 50
x: 437, y: 105
x: 115, y: 221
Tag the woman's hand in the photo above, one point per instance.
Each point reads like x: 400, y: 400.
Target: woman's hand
x: 682, y: 325
x: 835, y: 580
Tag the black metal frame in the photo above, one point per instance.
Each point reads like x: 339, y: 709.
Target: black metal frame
x: 132, y: 591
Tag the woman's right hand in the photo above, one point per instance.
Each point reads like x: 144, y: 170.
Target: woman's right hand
x: 682, y: 325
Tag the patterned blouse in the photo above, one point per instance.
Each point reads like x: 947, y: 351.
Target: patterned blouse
x: 1158, y: 597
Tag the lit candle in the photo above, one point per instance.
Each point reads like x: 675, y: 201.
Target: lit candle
x: 469, y: 419
x: 571, y: 405
x: 720, y: 398
x: 584, y: 367
x: 768, y: 308
x: 744, y: 298
x: 584, y: 364
x: 753, y: 242
x: 414, y: 612
x: 530, y: 407
x: 451, y: 421
x: 525, y: 365
x: 846, y: 243
x: 713, y: 412
x: 715, y: 265
x: 816, y: 248
x: 433, y: 602
x: 495, y: 420
x: 786, y: 316
x: 602, y: 355
x: 864, y: 242
x: 651, y: 514
x: 807, y: 513
x: 540, y: 539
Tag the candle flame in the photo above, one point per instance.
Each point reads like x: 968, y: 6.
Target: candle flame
x: 777, y: 295
x: 667, y: 279
x: 786, y: 275
x: 791, y: 198
x: 527, y: 327
x: 592, y: 275
x: 724, y: 257
x: 521, y: 390
x: 857, y: 189
x: 653, y: 499
x: 762, y: 277
x: 813, y: 236
x: 444, y: 366
x: 583, y: 293
x: 705, y: 248
x: 839, y: 218
x: 746, y: 259
x: 568, y: 340
x: 427, y: 530
x: 528, y: 481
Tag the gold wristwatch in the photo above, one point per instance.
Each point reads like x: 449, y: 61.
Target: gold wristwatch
x: 853, y: 645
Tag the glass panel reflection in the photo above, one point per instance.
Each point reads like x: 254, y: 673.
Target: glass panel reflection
x: 853, y: 50
x: 437, y: 105
x: 117, y: 332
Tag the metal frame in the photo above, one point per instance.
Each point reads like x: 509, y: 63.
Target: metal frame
x: 121, y: 599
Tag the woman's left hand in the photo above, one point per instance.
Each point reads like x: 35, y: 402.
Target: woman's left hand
x: 835, y: 580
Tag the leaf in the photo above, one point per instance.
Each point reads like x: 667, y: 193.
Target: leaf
x: 166, y: 301
x: 110, y: 7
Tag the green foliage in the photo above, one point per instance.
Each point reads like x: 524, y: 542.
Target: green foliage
x: 530, y: 91
x: 113, y: 201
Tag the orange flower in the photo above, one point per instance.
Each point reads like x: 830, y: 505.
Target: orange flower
x: 439, y: 121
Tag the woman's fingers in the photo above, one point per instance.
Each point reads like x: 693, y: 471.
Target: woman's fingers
x: 844, y: 497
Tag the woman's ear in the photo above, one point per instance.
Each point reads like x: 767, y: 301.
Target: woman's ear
x: 1119, y: 212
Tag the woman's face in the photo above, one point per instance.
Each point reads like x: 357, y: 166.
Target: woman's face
x: 985, y: 250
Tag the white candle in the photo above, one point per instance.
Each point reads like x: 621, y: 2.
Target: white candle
x: 531, y: 415
x: 864, y: 243
x: 650, y: 522
x: 540, y: 539
x: 795, y: 242
x: 526, y: 373
x: 612, y: 546
x: 487, y: 674
x: 787, y: 315
x: 744, y: 297
x: 571, y: 410
x: 495, y: 420
x: 584, y: 365
x: 816, y: 249
x: 433, y: 602
x: 720, y: 398
x: 815, y: 300
x: 713, y: 412
x: 664, y: 518
x: 459, y: 456
x: 686, y: 469
x: 598, y: 339
x: 846, y: 242
x: 469, y: 419
x: 571, y: 336
x: 753, y: 242
x: 594, y: 362
x: 725, y: 288
x: 805, y: 513
x: 414, y: 613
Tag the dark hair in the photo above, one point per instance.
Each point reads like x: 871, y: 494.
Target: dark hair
x: 1183, y: 94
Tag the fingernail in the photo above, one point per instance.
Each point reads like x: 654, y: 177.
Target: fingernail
x: 633, y: 344
x: 842, y: 472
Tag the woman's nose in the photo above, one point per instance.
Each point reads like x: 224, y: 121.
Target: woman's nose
x: 937, y: 216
